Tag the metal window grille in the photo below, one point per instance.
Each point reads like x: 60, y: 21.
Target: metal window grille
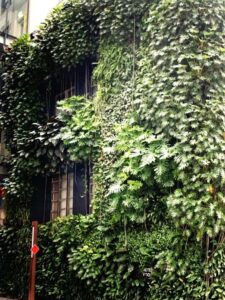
x: 62, y: 195
x: 2, y: 216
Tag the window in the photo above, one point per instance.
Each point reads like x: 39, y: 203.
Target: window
x: 5, y: 29
x: 2, y: 216
x: 4, y: 153
x: 4, y: 5
x: 14, y: 16
x: 62, y: 195
x: 71, y: 191
x: 76, y: 81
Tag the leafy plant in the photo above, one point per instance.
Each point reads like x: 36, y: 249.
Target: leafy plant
x: 162, y: 62
x: 179, y: 85
x: 14, y: 261
x: 141, y: 175
x: 57, y: 239
x: 70, y: 35
x: 42, y: 151
x: 81, y: 130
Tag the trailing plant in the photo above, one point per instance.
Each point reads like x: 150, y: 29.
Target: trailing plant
x: 70, y: 35
x: 14, y: 261
x: 20, y: 98
x: 182, y: 100
x: 171, y: 266
x: 18, y: 195
x: 57, y: 239
x: 106, y: 270
x: 42, y: 151
x: 180, y: 95
x: 81, y: 130
x: 78, y: 260
x: 164, y: 62
x: 113, y: 102
x: 114, y: 69
x: 118, y: 21
x: 141, y: 175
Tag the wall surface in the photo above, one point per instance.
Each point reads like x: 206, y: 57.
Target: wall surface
x: 13, y: 20
x: 38, y: 11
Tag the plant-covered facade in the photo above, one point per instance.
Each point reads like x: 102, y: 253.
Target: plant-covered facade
x: 117, y: 109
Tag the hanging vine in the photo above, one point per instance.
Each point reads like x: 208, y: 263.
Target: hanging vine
x: 154, y: 129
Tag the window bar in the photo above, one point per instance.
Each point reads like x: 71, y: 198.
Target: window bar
x: 48, y: 99
x: 51, y: 199
x: 90, y: 184
x: 60, y: 192
x: 71, y: 83
x: 45, y: 199
x: 67, y: 191
x: 86, y: 79
x: 74, y: 185
x: 86, y: 188
x: 75, y: 81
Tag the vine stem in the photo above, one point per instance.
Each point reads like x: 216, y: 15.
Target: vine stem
x: 207, y: 260
x: 220, y: 243
x: 125, y: 231
x: 134, y: 59
x: 145, y: 218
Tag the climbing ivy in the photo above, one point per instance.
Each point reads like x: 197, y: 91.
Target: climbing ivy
x: 113, y: 105
x: 21, y: 103
x: 118, y: 21
x: 182, y: 86
x: 42, y: 149
x: 141, y: 175
x: 18, y: 195
x: 154, y: 129
x: 180, y: 94
x: 82, y: 131
x: 70, y: 35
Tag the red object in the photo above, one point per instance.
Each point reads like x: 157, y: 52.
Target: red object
x: 35, y: 249
x: 2, y: 192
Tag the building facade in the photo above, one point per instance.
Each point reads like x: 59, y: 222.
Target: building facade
x: 13, y: 19
x: 69, y: 190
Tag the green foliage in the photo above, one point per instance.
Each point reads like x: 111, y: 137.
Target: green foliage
x: 20, y: 98
x: 14, y: 261
x: 42, y: 150
x: 171, y: 268
x: 69, y: 35
x: 113, y: 102
x: 77, y: 260
x: 215, y: 269
x: 141, y: 174
x: 178, y: 274
x: 118, y: 21
x: 57, y: 239
x: 164, y: 62
x: 112, y: 73
x: 107, y: 270
x: 19, y: 191
x: 35, y: 144
x: 181, y: 90
x: 81, y: 130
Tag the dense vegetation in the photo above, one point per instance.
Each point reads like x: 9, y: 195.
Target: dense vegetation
x: 155, y: 132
